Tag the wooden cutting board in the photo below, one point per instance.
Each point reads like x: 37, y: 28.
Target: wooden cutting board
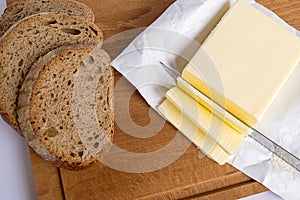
x: 189, y: 176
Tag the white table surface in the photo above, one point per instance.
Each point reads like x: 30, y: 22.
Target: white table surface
x: 16, y: 177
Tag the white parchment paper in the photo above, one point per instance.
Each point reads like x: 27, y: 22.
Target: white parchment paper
x: 179, y: 31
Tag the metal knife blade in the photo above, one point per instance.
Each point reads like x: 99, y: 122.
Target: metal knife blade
x: 263, y: 140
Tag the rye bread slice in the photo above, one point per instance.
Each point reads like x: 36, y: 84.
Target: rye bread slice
x: 66, y: 103
x: 23, y: 107
x: 31, y: 38
x: 18, y: 10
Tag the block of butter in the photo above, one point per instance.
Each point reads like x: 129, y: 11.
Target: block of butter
x: 253, y: 56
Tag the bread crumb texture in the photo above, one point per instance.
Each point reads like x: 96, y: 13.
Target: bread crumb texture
x: 71, y: 105
x: 18, y: 10
x: 30, y: 39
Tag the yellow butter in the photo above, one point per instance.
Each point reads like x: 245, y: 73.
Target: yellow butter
x: 192, y: 132
x: 253, y: 55
x: 224, y: 135
x: 229, y: 119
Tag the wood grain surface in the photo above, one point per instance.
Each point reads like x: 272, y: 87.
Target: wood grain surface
x: 190, y: 176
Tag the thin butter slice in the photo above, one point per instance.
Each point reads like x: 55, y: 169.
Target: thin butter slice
x: 193, y: 133
x: 225, y: 136
x: 229, y: 119
x: 253, y: 55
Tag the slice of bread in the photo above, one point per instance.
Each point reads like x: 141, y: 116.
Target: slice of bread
x: 31, y: 38
x: 23, y: 107
x: 66, y: 102
x: 21, y: 9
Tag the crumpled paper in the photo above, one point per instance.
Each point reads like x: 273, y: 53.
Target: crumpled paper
x: 179, y: 31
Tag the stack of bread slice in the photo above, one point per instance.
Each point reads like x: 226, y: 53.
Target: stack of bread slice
x: 56, y: 84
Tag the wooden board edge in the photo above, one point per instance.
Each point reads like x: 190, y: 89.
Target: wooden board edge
x: 240, y: 190
x: 47, y: 178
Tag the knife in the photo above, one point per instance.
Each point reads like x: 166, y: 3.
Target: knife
x: 263, y: 140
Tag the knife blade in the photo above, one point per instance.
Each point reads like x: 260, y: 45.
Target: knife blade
x: 263, y: 140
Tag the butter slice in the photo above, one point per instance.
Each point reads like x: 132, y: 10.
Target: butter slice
x: 193, y: 133
x: 253, y: 55
x: 224, y: 135
x: 218, y: 111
